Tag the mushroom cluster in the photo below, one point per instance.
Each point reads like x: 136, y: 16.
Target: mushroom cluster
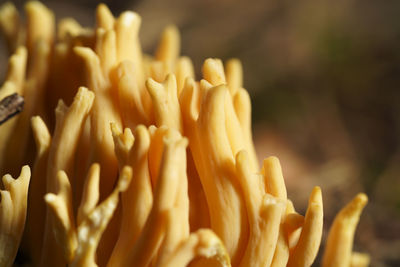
x: 142, y: 164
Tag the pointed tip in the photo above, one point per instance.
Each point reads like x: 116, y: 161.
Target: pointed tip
x: 316, y: 195
x: 104, y: 17
x: 360, y: 201
x: 115, y: 129
x: 128, y: 18
x: 25, y: 171
x: 50, y: 198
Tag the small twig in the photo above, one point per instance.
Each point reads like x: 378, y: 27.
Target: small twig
x: 10, y: 106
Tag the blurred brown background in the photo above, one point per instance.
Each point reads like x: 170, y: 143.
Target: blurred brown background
x: 324, y: 77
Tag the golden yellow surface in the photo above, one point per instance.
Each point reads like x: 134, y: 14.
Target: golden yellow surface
x: 143, y: 165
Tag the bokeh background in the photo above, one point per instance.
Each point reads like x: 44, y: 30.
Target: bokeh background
x: 324, y: 78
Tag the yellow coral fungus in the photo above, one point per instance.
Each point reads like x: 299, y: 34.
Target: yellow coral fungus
x: 144, y: 166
